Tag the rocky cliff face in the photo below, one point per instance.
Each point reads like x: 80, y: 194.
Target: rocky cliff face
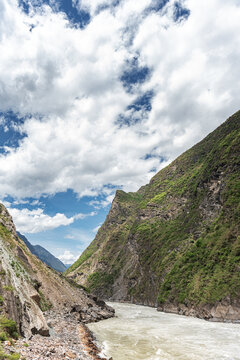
x: 175, y: 243
x: 28, y: 287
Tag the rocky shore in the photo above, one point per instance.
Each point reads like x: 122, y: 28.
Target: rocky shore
x: 222, y: 311
x: 69, y: 339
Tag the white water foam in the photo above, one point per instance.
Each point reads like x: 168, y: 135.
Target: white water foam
x: 142, y: 333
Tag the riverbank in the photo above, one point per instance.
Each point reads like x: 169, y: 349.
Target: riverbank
x: 69, y: 340
x: 221, y: 311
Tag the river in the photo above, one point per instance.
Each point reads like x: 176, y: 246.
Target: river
x: 140, y: 332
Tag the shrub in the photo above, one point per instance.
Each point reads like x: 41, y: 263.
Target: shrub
x: 14, y: 356
x: 9, y: 326
x: 3, y: 336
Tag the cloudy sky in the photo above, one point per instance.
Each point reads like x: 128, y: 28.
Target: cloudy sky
x: 97, y: 95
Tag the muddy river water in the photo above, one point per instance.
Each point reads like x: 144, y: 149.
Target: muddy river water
x: 139, y: 332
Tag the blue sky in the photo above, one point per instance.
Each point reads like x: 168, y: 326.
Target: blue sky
x: 100, y: 95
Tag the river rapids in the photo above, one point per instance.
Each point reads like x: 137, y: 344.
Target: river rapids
x: 139, y: 332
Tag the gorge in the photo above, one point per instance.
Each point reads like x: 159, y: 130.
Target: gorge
x: 174, y: 245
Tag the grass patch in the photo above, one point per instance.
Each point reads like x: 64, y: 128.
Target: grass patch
x: 45, y: 304
x: 8, y: 288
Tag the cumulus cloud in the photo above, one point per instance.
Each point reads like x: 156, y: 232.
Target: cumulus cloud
x: 68, y: 257
x: 34, y: 221
x: 66, y: 83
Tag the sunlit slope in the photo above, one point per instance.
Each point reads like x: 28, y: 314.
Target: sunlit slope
x: 176, y: 240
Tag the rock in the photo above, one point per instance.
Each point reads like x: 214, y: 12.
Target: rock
x: 222, y: 311
x: 71, y: 341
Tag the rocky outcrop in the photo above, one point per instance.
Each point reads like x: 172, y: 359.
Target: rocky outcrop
x: 175, y: 242
x: 6, y: 220
x: 225, y: 310
x: 28, y: 287
x: 95, y: 310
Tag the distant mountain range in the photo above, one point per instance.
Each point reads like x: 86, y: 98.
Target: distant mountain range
x: 68, y: 265
x: 44, y: 255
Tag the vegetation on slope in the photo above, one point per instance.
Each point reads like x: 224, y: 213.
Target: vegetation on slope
x: 8, y: 332
x: 180, y: 232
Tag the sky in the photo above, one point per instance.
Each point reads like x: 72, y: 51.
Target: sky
x: 99, y: 95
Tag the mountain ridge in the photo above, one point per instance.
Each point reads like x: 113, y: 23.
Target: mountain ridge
x: 44, y: 255
x: 175, y: 242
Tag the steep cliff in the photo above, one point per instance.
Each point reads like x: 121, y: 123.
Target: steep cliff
x: 28, y: 287
x: 175, y: 243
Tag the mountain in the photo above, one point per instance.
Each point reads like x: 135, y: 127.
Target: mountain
x: 44, y: 255
x: 28, y: 287
x: 67, y: 265
x: 175, y: 243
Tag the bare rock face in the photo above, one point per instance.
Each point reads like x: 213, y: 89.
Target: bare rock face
x: 17, y: 285
x: 28, y: 287
x: 6, y: 220
x: 221, y: 311
x: 175, y: 242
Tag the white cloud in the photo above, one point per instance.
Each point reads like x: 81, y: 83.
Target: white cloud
x: 71, y: 237
x: 68, y: 257
x: 125, y: 8
x: 98, y: 204
x: 95, y: 230
x: 71, y: 78
x: 34, y: 221
x: 83, y: 216
x: 5, y: 203
x: 80, y: 236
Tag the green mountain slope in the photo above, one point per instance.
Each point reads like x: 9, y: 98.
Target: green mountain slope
x: 175, y: 243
